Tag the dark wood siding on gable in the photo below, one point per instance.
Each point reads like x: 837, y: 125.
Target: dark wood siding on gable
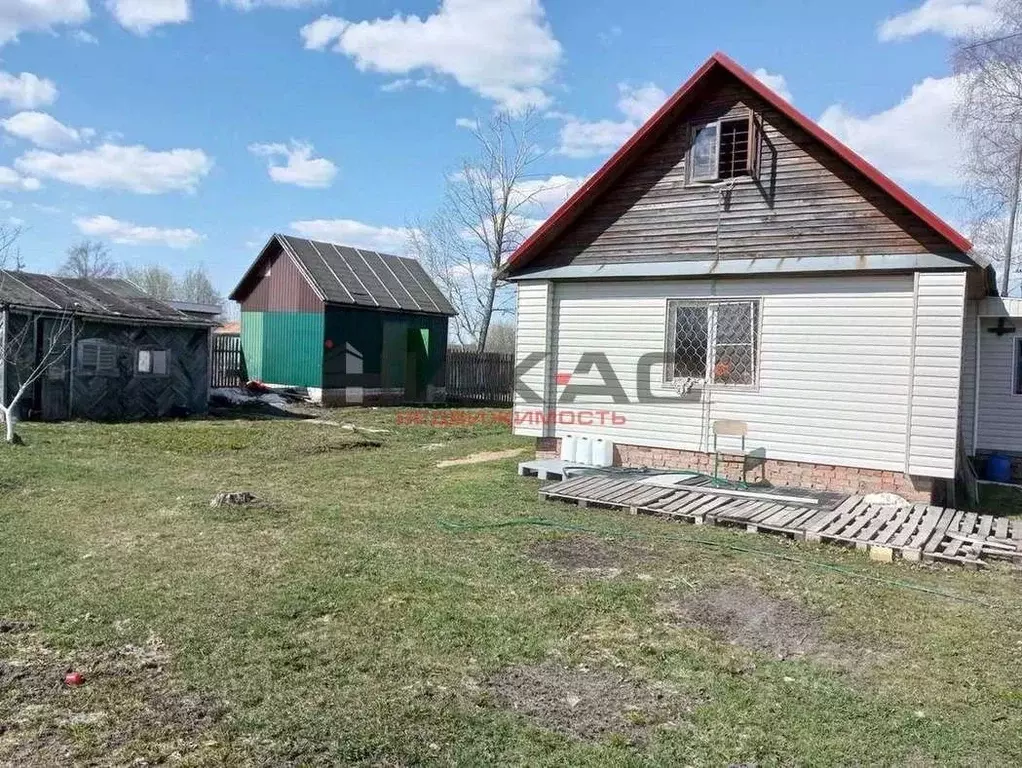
x: 285, y: 289
x: 806, y: 202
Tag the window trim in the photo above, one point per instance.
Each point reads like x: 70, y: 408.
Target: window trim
x: 752, y: 158
x: 140, y: 350
x: 79, y: 363
x: 667, y: 383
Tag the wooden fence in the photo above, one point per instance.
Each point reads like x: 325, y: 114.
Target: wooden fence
x: 480, y: 378
x: 228, y: 366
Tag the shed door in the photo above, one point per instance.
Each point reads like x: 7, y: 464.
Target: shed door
x: 53, y: 385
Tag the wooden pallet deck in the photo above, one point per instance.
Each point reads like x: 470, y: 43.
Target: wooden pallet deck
x: 915, y: 532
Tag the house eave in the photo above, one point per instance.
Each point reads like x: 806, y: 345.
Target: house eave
x: 760, y: 266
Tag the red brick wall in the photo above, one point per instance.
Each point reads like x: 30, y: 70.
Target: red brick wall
x: 795, y: 474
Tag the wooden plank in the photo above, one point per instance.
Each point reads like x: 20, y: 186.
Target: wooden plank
x: 883, y: 516
x: 863, y: 518
x: 953, y: 526
x: 812, y: 531
x: 911, y: 527
x: 682, y: 500
x: 936, y: 519
x: 836, y: 526
x: 903, y: 518
x: 1001, y: 528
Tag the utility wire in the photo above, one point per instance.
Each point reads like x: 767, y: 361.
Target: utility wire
x: 542, y: 522
x: 991, y: 41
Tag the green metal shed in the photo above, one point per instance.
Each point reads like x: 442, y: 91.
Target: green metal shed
x: 348, y: 325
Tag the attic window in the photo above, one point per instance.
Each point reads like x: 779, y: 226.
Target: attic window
x: 723, y: 150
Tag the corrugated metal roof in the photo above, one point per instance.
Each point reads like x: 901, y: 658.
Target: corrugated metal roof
x: 110, y: 297
x: 341, y: 274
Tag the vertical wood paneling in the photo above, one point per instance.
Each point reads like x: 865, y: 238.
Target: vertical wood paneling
x: 283, y: 289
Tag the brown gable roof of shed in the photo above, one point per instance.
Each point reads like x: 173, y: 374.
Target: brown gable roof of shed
x: 341, y: 274
x: 600, y: 181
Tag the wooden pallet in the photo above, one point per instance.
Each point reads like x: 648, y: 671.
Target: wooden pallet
x: 915, y: 532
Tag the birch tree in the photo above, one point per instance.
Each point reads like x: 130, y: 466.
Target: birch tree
x: 485, y: 216
x: 22, y: 363
x: 989, y: 114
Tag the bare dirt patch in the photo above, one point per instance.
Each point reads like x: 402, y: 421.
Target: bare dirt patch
x: 124, y: 712
x: 588, y: 704
x: 751, y: 619
x: 480, y: 458
x: 588, y: 555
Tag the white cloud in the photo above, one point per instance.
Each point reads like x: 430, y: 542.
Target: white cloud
x: 546, y: 195
x: 468, y: 123
x: 776, y: 83
x: 26, y: 91
x: 302, y: 169
x: 112, y: 166
x: 6, y: 205
x: 913, y: 140
x: 42, y: 130
x: 17, y: 16
x: 404, y: 83
x: 503, y: 50
x: 249, y: 5
x: 11, y: 179
x: 355, y: 233
x: 127, y: 233
x: 951, y: 18
x: 585, y: 139
x: 84, y: 37
x: 142, y: 16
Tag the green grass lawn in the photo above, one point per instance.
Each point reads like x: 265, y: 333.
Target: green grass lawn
x: 340, y: 620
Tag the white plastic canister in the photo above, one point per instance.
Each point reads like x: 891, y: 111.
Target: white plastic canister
x: 603, y: 452
x: 568, y: 448
x: 583, y: 450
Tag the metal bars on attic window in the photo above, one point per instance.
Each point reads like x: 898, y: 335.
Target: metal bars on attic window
x: 712, y: 341
x: 725, y: 149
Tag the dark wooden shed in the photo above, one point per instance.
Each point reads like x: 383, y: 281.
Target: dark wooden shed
x: 112, y: 352
x: 348, y: 325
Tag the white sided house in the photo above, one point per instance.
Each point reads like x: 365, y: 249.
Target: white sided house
x: 733, y: 261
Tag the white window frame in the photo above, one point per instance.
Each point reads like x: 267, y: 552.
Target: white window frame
x: 667, y: 373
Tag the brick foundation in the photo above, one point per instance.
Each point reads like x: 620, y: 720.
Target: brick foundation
x: 794, y: 474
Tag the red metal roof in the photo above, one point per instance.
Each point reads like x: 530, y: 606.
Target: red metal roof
x: 652, y: 129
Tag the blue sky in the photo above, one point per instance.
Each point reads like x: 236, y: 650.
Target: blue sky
x: 186, y: 131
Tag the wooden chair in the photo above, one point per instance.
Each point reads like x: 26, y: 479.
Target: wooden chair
x: 728, y: 428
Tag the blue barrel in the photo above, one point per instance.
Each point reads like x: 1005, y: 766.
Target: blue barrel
x: 999, y: 468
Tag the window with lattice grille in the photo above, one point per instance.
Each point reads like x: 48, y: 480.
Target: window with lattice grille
x: 724, y: 149
x: 712, y: 341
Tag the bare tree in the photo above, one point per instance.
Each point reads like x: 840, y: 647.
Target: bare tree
x: 89, y: 258
x: 158, y: 281
x: 196, y: 286
x: 989, y: 114
x: 485, y: 216
x: 501, y: 337
x: 22, y: 362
